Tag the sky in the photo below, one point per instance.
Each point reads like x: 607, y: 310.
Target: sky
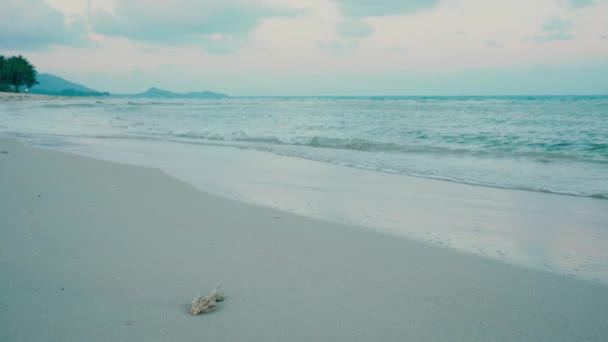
x: 316, y: 47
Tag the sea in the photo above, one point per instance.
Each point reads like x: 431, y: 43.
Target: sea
x: 298, y: 153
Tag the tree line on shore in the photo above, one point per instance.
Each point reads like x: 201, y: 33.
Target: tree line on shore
x: 16, y: 72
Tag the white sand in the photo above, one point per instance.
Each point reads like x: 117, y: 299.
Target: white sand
x: 96, y: 251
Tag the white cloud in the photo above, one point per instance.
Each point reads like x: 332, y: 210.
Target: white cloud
x: 183, y: 21
x: 354, y: 28
x: 33, y: 25
x: 366, y: 8
x: 291, y: 38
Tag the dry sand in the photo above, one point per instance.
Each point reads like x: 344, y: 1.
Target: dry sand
x: 96, y: 251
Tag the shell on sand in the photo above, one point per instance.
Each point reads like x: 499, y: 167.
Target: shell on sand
x: 201, y: 305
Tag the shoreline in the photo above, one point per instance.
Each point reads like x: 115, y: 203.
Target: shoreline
x: 17, y: 97
x: 541, y: 231
x: 95, y: 250
x: 287, y: 148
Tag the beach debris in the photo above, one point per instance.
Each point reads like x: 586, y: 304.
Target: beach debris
x: 201, y: 305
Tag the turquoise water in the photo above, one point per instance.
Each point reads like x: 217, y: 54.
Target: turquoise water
x: 550, y: 144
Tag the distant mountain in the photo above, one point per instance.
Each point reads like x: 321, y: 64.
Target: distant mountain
x: 55, y: 85
x: 165, y: 94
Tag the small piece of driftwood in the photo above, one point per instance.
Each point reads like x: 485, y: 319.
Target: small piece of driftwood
x: 201, y: 305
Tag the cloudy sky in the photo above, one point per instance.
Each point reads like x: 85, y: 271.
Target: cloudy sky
x: 316, y: 47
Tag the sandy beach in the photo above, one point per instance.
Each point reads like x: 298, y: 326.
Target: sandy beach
x: 98, y: 251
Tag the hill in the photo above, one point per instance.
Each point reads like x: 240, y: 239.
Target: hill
x: 55, y: 85
x: 165, y: 94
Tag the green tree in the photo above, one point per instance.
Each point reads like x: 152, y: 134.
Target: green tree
x: 3, y: 83
x: 17, y: 72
